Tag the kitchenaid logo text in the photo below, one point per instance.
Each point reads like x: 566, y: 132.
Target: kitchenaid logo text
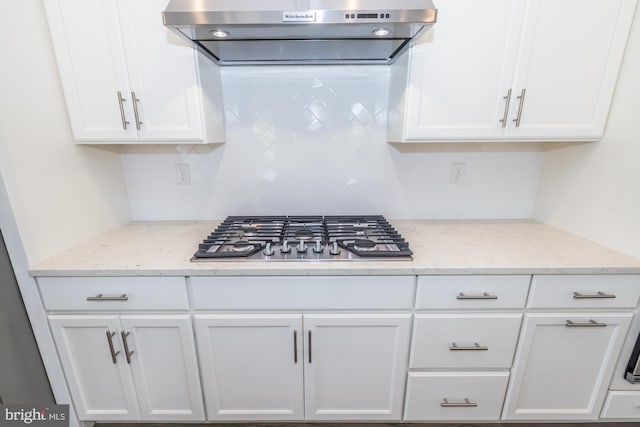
x: 299, y: 16
x: 54, y: 415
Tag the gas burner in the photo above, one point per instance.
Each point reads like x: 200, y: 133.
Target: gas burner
x: 242, y: 246
x: 304, y: 238
x: 249, y: 231
x: 303, y: 234
x: 365, y: 245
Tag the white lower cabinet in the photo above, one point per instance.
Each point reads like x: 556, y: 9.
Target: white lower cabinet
x: 449, y: 396
x: 564, y: 364
x: 354, y: 365
x: 251, y: 366
x: 130, y: 367
x: 622, y: 405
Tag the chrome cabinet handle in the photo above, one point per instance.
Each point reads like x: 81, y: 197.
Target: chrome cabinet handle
x: 295, y: 346
x: 476, y: 347
x: 520, y: 108
x: 466, y: 404
x: 505, y: 116
x: 127, y: 353
x: 135, y: 101
x: 113, y: 351
x: 121, y: 102
x: 598, y: 295
x: 101, y: 297
x: 590, y: 324
x: 485, y: 295
x: 309, y: 346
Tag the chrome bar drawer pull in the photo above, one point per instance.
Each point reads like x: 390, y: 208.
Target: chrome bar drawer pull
x: 127, y: 353
x: 476, y: 347
x: 466, y: 404
x: 518, y: 119
x: 121, y: 102
x: 485, y: 295
x: 598, y: 295
x: 295, y: 346
x: 101, y: 297
x: 113, y: 351
x: 590, y: 324
x: 504, y: 118
x: 135, y: 101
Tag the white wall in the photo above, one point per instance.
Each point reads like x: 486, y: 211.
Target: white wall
x: 60, y: 193
x: 594, y: 190
x: 312, y: 140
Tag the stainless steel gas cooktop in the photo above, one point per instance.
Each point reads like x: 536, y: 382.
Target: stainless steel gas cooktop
x: 303, y: 238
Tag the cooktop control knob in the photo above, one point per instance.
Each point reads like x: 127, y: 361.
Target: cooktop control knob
x: 318, y: 248
x: 334, y: 249
x: 268, y: 250
x: 285, y: 248
x: 301, y: 248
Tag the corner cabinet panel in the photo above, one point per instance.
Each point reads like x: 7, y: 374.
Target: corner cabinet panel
x: 355, y: 366
x: 164, y: 365
x: 252, y: 366
x: 99, y: 379
x: 91, y: 61
x: 564, y: 364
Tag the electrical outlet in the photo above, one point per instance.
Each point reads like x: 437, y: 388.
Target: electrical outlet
x: 458, y: 172
x: 183, y: 177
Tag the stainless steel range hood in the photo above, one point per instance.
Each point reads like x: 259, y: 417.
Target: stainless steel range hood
x: 261, y: 32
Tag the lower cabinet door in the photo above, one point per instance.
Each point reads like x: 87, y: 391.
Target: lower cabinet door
x: 252, y: 366
x: 564, y: 364
x: 93, y: 359
x: 622, y: 405
x: 161, y: 352
x: 447, y: 396
x: 355, y: 366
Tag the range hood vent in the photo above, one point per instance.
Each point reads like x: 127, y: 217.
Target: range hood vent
x: 267, y: 32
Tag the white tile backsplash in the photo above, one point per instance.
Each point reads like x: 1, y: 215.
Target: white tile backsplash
x: 312, y: 140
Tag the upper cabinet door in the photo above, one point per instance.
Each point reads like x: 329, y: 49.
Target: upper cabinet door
x: 537, y: 70
x: 568, y: 63
x: 460, y: 71
x: 355, y: 366
x: 90, y: 55
x: 163, y: 75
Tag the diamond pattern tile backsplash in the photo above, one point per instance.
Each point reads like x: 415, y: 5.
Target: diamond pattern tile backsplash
x: 312, y: 140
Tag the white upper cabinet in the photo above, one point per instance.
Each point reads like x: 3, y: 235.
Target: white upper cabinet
x: 127, y: 78
x: 511, y: 70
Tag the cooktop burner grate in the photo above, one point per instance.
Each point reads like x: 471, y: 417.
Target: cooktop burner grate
x: 304, y: 238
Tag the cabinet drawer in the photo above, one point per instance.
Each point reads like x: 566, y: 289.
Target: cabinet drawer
x: 464, y: 340
x: 114, y: 293
x: 472, y: 292
x: 474, y: 396
x: 299, y: 293
x: 585, y: 291
x: 622, y: 404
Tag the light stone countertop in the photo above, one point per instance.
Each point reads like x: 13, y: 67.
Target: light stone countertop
x: 162, y: 248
